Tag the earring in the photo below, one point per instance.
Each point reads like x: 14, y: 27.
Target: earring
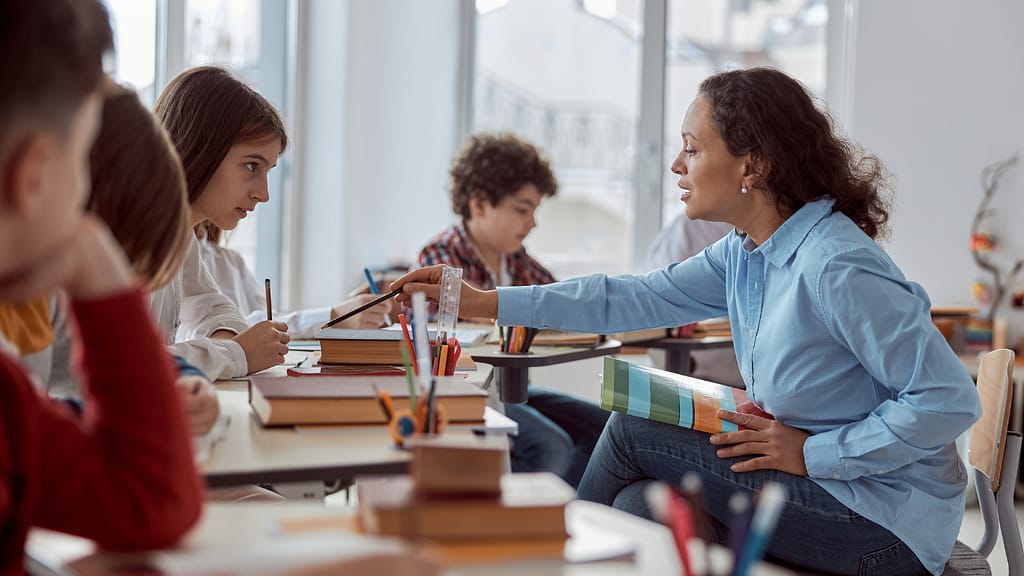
x: 743, y: 189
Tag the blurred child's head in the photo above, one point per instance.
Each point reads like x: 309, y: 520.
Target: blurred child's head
x: 228, y: 137
x: 498, y: 182
x: 49, y: 110
x: 138, y: 188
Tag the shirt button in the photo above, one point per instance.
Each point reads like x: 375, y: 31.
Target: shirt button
x: 750, y: 332
x: 835, y: 476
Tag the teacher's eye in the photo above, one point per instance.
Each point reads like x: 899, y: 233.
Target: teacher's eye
x: 251, y: 167
x: 689, y: 151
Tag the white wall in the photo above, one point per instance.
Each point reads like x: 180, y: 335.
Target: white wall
x: 937, y: 94
x: 382, y: 80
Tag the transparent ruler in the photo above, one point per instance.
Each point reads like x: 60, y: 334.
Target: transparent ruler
x: 448, y: 303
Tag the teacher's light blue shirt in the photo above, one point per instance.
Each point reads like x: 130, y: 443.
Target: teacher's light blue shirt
x: 830, y: 338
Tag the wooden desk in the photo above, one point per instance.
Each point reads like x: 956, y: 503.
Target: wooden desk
x: 252, y: 454
x: 677, y: 350
x: 246, y: 538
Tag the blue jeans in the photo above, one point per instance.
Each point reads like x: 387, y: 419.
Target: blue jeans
x: 815, y: 531
x: 557, y: 433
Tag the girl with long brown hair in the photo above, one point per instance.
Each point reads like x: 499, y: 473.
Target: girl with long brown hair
x: 228, y: 138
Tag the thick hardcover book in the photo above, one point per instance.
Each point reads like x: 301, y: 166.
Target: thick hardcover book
x: 529, y: 506
x: 287, y: 401
x: 671, y: 398
x: 358, y: 346
x: 353, y: 346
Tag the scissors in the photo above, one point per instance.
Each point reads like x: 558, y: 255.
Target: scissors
x: 454, y: 352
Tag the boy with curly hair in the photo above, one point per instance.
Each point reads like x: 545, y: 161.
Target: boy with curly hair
x: 498, y: 181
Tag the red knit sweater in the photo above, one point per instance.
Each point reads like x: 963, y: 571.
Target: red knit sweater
x: 123, y: 475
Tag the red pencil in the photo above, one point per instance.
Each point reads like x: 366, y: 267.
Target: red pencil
x: 408, y: 342
x: 668, y: 507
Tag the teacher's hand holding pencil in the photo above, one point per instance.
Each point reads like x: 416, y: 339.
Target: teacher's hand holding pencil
x: 473, y: 303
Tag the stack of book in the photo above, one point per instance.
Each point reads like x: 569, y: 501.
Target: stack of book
x: 384, y: 346
x: 457, y: 493
x: 356, y: 346
x: 530, y: 506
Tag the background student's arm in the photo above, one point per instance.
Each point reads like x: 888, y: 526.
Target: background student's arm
x: 900, y: 348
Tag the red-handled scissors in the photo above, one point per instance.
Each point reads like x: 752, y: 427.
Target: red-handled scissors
x: 454, y: 351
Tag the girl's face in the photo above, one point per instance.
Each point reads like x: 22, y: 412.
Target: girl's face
x: 503, y: 227
x: 710, y: 176
x: 239, y: 183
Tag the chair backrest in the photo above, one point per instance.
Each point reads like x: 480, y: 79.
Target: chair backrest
x: 988, y: 434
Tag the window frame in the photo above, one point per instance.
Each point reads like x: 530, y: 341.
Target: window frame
x: 649, y: 170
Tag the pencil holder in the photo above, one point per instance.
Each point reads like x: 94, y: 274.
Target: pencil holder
x: 513, y: 383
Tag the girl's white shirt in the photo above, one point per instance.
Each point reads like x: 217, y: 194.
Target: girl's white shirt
x: 238, y: 283
x: 189, y: 309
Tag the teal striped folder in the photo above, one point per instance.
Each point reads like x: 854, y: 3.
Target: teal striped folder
x: 670, y: 398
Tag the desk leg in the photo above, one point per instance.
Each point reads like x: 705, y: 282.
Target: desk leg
x: 513, y: 384
x: 678, y: 361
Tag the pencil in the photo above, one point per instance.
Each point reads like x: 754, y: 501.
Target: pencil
x: 384, y: 398
x: 363, y: 308
x: 374, y: 290
x: 270, y: 306
x: 370, y: 282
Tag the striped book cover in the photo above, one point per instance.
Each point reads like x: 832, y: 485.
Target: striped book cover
x: 671, y: 398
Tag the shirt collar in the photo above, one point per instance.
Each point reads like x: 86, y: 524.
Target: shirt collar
x: 783, y: 243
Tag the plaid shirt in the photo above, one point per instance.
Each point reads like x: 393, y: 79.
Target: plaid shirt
x: 455, y: 248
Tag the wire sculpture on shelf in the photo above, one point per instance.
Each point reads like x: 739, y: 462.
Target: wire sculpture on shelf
x: 983, y: 244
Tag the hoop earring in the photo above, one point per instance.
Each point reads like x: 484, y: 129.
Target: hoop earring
x: 743, y: 189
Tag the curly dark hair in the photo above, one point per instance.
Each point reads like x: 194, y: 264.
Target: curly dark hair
x: 496, y: 166
x: 766, y: 113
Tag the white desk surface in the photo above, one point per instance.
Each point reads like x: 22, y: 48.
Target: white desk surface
x: 249, y: 453
x: 247, y: 538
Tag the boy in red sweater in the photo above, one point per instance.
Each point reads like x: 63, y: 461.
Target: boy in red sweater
x: 123, y: 475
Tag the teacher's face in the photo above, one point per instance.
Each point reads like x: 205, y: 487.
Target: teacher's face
x: 710, y: 176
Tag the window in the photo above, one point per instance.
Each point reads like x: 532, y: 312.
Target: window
x: 707, y: 36
x: 565, y: 75
x: 227, y: 33
x: 134, y: 23
x: 568, y: 75
x: 157, y: 39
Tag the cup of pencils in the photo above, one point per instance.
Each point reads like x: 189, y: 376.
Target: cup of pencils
x: 516, y: 339
x: 514, y: 382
